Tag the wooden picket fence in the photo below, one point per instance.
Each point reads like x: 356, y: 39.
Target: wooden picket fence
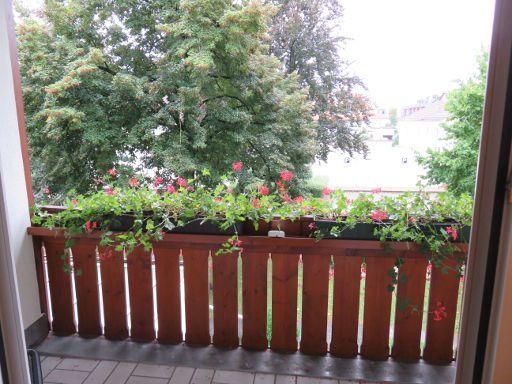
x: 284, y: 253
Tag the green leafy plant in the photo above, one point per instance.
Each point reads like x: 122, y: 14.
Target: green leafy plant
x: 137, y: 211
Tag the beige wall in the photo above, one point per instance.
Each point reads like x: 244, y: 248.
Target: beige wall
x: 13, y: 182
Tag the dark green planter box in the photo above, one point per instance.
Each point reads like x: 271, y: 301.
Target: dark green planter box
x: 365, y: 231
x: 196, y: 227
x: 361, y: 231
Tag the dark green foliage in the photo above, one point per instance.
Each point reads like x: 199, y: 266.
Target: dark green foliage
x: 304, y: 37
x: 457, y: 165
x: 173, y: 86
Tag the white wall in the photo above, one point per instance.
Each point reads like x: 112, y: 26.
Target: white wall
x: 13, y: 185
x: 421, y: 135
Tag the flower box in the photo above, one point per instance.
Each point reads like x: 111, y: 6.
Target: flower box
x: 361, y: 231
x: 250, y: 229
x: 366, y: 231
x: 125, y: 222
x: 463, y: 231
x: 208, y: 227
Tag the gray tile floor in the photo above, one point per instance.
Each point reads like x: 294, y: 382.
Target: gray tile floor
x: 276, y: 368
x: 60, y: 370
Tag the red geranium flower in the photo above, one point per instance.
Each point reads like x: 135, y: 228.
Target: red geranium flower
x: 450, y: 231
x: 171, y: 189
x: 74, y: 201
x: 237, y: 166
x: 264, y: 190
x: 236, y: 243
x: 440, y: 311
x: 379, y: 215
x: 90, y: 226
x: 112, y: 172
x: 298, y: 200
x: 326, y: 191
x: 286, y: 175
x: 282, y: 192
x: 181, y: 182
x: 133, y: 182
x: 158, y: 181
x: 109, y: 191
x: 411, y: 220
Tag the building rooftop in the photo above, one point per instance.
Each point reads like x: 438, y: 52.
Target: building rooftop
x: 434, y: 111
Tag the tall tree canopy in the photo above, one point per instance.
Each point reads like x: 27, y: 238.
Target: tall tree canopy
x: 456, y: 165
x: 174, y: 86
x: 180, y: 85
x: 304, y: 38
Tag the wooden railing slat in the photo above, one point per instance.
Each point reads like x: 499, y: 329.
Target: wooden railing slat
x: 345, y: 311
x: 195, y: 249
x: 225, y: 300
x: 86, y: 285
x: 254, y: 281
x: 39, y: 263
x: 196, y: 296
x: 408, y: 317
x: 444, y: 290
x: 315, y: 299
x: 114, y: 296
x: 60, y: 287
x: 141, y: 295
x: 284, y: 302
x: 168, y: 293
x: 377, y: 305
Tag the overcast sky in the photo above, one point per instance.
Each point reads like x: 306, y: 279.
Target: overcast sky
x: 405, y: 50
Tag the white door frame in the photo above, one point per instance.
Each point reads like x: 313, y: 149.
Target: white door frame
x: 485, y: 240
x: 488, y: 242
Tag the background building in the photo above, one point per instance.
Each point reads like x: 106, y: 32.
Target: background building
x: 391, y: 162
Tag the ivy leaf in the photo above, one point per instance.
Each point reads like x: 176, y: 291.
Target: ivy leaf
x: 403, y: 303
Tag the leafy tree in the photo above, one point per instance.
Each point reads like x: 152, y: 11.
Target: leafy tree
x: 173, y: 86
x: 303, y: 37
x: 456, y: 165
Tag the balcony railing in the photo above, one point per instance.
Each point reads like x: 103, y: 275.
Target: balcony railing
x: 114, y: 295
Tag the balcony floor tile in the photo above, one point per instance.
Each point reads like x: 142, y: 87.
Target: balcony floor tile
x: 118, y: 361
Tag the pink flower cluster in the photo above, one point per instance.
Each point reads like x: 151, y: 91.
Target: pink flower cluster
x: 379, y: 215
